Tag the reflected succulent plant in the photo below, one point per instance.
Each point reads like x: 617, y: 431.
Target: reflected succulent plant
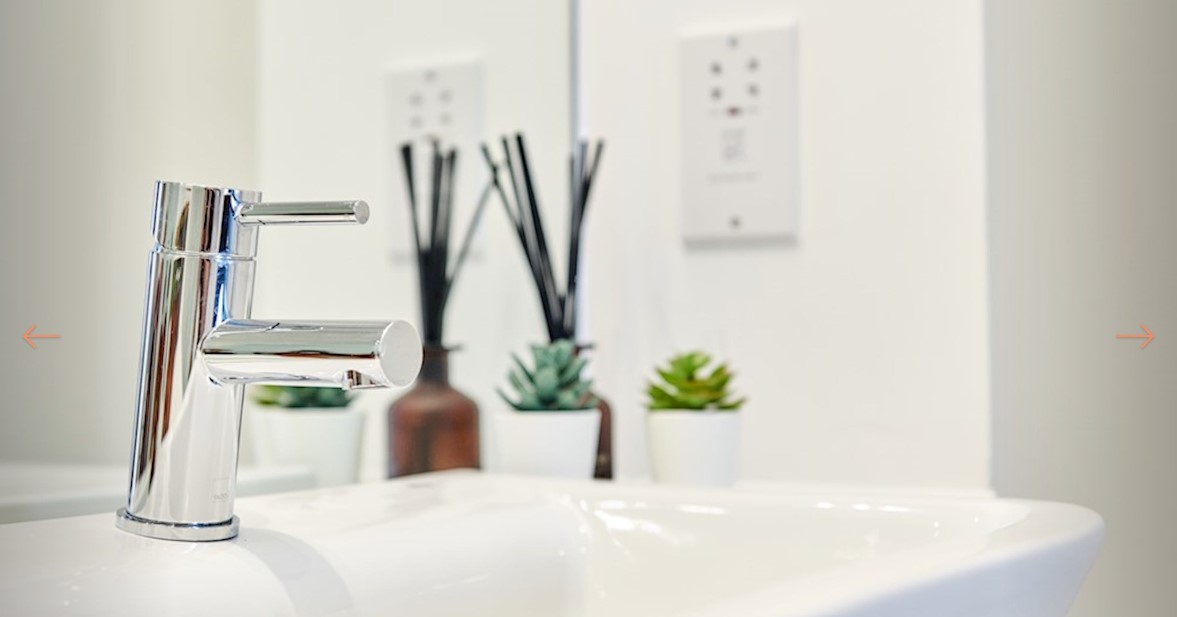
x: 301, y: 397
x: 686, y: 385
x: 554, y: 381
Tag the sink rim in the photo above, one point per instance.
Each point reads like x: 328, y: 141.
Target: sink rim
x: 1019, y: 530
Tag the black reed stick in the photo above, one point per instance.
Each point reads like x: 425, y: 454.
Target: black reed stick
x: 514, y: 184
x: 576, y: 198
x: 526, y: 232
x: 443, y: 249
x: 538, y: 236
x: 512, y: 213
x: 434, y: 275
x: 407, y: 163
x: 580, y: 207
x: 559, y: 307
x: 498, y: 188
x: 592, y: 173
x: 465, y: 250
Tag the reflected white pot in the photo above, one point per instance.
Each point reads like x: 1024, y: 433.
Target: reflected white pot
x: 545, y: 443
x: 700, y: 448
x: 327, y: 441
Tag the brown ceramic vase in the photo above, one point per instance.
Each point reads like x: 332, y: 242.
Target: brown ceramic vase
x: 433, y: 426
x: 603, y: 470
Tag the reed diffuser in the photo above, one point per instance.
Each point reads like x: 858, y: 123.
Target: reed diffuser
x: 559, y: 304
x: 434, y: 426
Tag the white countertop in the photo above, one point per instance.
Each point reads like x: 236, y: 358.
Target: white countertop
x: 33, y: 491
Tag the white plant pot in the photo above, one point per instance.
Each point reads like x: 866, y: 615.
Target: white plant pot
x: 327, y: 441
x: 545, y: 443
x: 699, y: 448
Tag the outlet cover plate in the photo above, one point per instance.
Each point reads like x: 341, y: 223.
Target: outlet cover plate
x: 739, y: 114
x: 440, y: 98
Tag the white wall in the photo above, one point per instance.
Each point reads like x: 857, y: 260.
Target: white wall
x: 97, y: 101
x: 323, y: 133
x: 1083, y: 149
x: 863, y: 347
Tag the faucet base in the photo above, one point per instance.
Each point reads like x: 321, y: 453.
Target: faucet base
x: 182, y: 532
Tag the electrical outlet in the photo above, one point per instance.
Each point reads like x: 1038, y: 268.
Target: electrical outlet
x: 739, y: 113
x: 439, y: 99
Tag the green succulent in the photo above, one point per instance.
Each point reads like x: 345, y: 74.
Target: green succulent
x: 298, y: 397
x: 553, y: 383
x: 686, y: 385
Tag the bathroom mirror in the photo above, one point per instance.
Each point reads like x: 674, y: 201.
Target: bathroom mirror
x: 342, y: 86
x: 296, y: 99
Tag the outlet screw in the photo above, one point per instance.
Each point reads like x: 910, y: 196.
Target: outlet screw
x: 716, y: 68
x: 444, y: 96
x: 753, y: 64
x: 716, y: 93
x: 753, y: 89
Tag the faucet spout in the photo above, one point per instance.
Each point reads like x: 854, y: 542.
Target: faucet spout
x: 347, y: 354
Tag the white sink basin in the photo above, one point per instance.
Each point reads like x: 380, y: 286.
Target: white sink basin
x: 464, y: 543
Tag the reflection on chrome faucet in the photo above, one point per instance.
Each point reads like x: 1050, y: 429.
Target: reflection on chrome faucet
x: 200, y: 347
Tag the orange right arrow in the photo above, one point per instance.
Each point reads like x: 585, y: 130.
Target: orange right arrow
x: 1147, y: 336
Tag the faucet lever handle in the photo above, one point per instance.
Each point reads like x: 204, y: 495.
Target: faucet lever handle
x: 288, y: 213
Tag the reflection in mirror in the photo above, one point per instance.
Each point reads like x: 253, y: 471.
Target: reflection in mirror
x: 336, y: 113
x: 299, y: 100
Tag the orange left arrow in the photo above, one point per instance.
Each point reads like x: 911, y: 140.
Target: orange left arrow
x: 29, y: 336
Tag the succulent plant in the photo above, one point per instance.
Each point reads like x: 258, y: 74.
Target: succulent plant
x: 686, y: 385
x: 300, y: 397
x: 553, y: 383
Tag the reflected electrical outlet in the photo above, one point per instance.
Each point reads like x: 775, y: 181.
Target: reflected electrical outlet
x: 442, y: 99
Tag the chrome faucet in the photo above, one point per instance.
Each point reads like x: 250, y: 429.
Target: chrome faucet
x: 200, y: 348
